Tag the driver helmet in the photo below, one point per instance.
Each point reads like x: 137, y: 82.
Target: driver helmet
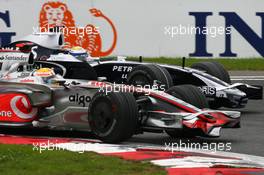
x: 79, y: 52
x: 45, y: 73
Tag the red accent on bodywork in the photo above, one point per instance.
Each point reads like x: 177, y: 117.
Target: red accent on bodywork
x: 13, y: 109
x: 204, y: 123
x: 20, y: 45
x: 24, y: 44
x: 219, y: 120
x: 98, y: 84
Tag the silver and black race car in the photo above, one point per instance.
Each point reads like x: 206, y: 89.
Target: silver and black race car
x: 211, y: 77
x: 41, y: 98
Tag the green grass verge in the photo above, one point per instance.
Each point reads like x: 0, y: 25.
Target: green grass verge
x: 21, y: 159
x: 229, y: 63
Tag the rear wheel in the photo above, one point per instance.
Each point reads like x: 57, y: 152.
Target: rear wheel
x: 113, y: 117
x: 192, y: 95
x: 213, y: 68
x: 146, y: 74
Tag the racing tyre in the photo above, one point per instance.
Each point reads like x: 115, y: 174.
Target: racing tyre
x: 146, y: 74
x: 213, y: 68
x: 113, y: 117
x: 191, y: 95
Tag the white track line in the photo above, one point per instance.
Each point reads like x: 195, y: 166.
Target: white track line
x: 247, y: 77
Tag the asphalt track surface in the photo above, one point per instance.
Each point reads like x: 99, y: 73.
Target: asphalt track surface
x: 249, y: 139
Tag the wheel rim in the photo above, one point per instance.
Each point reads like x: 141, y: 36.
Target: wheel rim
x: 102, y: 116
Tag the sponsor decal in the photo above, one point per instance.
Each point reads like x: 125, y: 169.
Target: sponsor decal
x: 22, y: 108
x: 5, y: 113
x: 11, y: 49
x: 14, y: 57
x: 44, y: 72
x: 208, y: 91
x: 80, y: 99
x: 27, y: 81
x: 23, y: 74
x: 122, y: 68
x: 233, y: 20
x: 58, y: 14
x: 16, y: 108
x: 98, y: 83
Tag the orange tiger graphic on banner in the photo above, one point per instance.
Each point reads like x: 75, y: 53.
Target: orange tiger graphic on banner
x: 58, y: 14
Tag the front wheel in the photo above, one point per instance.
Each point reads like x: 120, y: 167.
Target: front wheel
x: 113, y: 117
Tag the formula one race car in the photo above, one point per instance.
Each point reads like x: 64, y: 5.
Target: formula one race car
x: 212, y: 79
x: 41, y: 98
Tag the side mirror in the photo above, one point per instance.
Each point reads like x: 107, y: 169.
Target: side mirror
x: 31, y: 59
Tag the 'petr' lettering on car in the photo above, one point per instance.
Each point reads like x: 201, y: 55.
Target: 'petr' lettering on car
x: 122, y: 68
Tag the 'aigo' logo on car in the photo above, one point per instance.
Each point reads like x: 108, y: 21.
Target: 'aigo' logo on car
x: 80, y: 99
